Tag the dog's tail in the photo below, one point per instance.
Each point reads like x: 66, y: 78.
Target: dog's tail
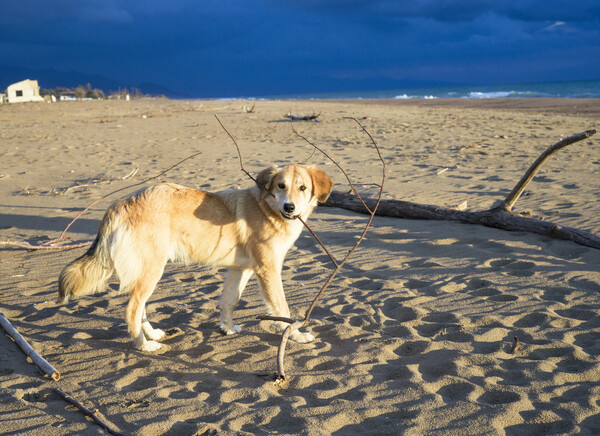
x: 87, y: 274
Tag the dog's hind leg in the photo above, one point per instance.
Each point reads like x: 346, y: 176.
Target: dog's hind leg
x: 232, y: 291
x: 150, y: 332
x: 139, y: 327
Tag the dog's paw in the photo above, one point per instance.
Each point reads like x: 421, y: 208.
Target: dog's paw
x: 150, y: 346
x: 301, y: 338
x: 154, y: 334
x: 230, y: 331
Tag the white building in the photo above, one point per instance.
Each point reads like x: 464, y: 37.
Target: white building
x: 26, y: 90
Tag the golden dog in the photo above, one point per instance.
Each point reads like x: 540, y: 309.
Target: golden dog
x: 248, y: 231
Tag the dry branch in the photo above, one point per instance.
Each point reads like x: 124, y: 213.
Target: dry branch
x: 293, y: 117
x: 312, y: 144
x: 338, y: 265
x: 511, y: 199
x: 39, y: 361
x: 238, y: 151
x: 47, y: 245
x: 500, y: 217
x: 92, y: 414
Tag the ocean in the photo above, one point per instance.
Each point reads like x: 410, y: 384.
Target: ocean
x: 574, y: 89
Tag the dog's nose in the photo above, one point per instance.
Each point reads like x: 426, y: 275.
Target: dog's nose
x: 289, y: 207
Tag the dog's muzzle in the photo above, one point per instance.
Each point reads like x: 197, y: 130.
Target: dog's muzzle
x: 289, y: 208
x: 288, y: 211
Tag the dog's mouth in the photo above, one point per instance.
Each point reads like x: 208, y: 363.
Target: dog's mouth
x: 288, y: 216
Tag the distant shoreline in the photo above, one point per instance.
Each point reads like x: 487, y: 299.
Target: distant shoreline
x: 560, y: 105
x: 557, y: 105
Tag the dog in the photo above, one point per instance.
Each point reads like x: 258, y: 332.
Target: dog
x: 247, y: 231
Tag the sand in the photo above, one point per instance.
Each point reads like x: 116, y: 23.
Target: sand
x: 413, y: 337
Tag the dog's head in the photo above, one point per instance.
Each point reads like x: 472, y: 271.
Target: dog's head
x: 294, y: 189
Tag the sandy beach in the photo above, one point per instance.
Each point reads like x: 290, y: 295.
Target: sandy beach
x: 414, y: 336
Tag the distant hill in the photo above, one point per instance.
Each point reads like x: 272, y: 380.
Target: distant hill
x: 50, y: 79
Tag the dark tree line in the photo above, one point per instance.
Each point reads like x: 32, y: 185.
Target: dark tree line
x: 81, y: 92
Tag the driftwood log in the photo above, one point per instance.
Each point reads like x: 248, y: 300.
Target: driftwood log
x: 92, y: 414
x: 501, y: 216
x: 39, y: 361
x: 293, y: 117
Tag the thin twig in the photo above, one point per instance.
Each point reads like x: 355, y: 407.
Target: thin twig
x: 372, y: 215
x: 46, y: 246
x: 238, y: 150
x: 276, y: 318
x: 88, y: 412
x: 127, y: 187
x: 39, y: 361
x: 335, y: 163
x: 318, y: 240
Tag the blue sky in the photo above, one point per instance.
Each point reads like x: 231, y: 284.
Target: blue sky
x: 230, y: 48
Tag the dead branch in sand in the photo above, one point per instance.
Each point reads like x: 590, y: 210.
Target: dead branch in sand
x: 79, y: 184
x: 501, y: 217
x: 293, y: 117
x: 93, y: 414
x: 50, y: 245
x: 38, y: 360
x: 295, y: 325
x: 45, y: 245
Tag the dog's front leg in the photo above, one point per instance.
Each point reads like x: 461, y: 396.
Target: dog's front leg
x: 232, y: 291
x: 272, y: 292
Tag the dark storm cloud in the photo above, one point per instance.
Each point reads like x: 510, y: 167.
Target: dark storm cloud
x: 459, y: 10
x: 235, y: 47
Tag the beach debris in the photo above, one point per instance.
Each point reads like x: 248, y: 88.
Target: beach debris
x: 516, y: 345
x: 38, y: 360
x: 46, y: 246
x: 249, y: 109
x: 93, y: 414
x: 293, y: 117
x: 462, y: 206
x: 132, y: 174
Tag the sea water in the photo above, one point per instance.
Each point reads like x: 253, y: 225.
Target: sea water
x: 574, y: 89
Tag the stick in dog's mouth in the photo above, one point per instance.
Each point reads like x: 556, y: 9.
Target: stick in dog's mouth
x: 288, y: 216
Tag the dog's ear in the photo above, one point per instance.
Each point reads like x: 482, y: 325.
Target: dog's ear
x: 263, y: 180
x: 322, y: 184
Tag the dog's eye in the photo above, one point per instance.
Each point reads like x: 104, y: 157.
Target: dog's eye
x: 303, y: 188
x: 281, y: 186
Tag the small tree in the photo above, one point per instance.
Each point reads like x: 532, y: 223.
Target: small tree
x: 80, y: 92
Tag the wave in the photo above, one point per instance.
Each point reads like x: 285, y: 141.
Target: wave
x: 574, y: 89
